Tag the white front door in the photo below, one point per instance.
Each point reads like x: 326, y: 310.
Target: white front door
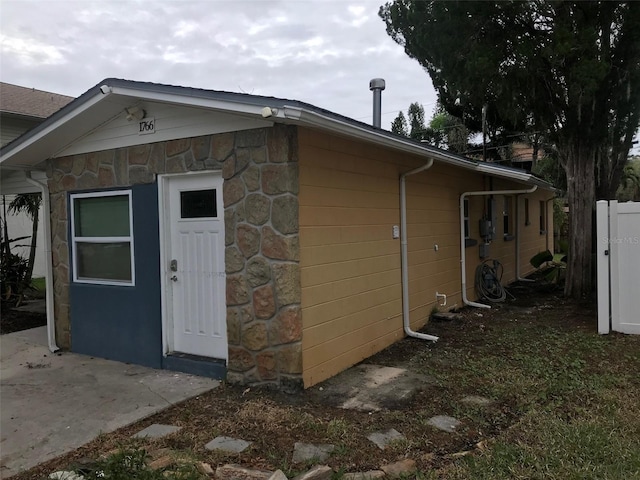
x: 194, y: 266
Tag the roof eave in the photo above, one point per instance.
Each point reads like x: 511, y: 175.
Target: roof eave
x: 311, y: 118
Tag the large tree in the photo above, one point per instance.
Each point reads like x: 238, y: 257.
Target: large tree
x: 568, y: 69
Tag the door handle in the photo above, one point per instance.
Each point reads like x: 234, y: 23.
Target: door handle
x: 174, y: 279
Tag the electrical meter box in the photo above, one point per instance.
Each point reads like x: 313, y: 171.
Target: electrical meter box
x: 484, y: 250
x: 486, y: 229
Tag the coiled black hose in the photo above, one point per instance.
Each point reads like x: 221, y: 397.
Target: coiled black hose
x: 488, y: 277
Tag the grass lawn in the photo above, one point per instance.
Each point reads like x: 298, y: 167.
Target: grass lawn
x: 565, y: 404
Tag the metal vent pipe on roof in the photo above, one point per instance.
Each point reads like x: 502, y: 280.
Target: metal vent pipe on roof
x: 376, y: 85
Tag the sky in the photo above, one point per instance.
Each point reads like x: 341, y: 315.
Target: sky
x: 323, y: 52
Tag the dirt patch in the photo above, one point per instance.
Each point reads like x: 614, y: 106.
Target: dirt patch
x: 15, y: 321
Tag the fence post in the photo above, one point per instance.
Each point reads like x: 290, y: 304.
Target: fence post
x: 603, y: 255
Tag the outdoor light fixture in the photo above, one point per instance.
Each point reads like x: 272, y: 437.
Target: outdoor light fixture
x: 269, y: 112
x: 135, y: 113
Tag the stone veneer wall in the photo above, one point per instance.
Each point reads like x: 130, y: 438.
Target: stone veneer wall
x: 260, y: 172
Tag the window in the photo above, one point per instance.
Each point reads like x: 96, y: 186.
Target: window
x: 543, y: 217
x: 466, y: 218
x: 527, y: 221
x: 507, y: 219
x: 468, y: 241
x: 198, y: 204
x: 102, y: 238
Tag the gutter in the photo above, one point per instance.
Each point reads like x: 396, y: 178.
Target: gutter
x: 46, y: 206
x: 403, y: 256
x: 463, y: 253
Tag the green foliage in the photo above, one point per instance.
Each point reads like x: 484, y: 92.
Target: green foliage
x: 12, y: 272
x: 27, y: 203
x: 416, y: 121
x: 549, y: 169
x: 130, y: 464
x: 629, y: 189
x: 444, y: 130
x: 399, y: 125
x: 554, y: 265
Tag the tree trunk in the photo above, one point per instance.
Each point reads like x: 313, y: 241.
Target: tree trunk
x: 32, y: 250
x: 579, y: 166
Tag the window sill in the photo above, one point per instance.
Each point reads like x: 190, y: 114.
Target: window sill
x: 508, y: 237
x: 470, y: 242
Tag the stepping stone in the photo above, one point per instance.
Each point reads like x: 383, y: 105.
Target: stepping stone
x: 476, y: 400
x: 228, y: 444
x: 156, y: 430
x: 237, y: 472
x: 444, y: 423
x: 382, y: 439
x: 399, y: 469
x: 278, y: 475
x: 303, y: 452
x: 65, y: 475
x: 319, y: 472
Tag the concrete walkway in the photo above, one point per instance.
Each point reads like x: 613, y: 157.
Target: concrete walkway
x: 51, y: 404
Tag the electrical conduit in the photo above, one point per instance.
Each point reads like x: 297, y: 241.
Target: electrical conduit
x: 463, y: 253
x: 403, y: 257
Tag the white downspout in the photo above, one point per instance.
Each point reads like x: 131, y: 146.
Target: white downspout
x: 518, y: 277
x: 403, y: 256
x: 463, y: 252
x: 46, y: 207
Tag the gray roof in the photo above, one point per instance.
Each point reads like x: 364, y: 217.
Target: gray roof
x: 301, y: 113
x: 30, y: 102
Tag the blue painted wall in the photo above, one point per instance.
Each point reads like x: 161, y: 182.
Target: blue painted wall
x: 118, y: 322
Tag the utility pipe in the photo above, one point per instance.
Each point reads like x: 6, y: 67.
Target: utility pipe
x: 46, y: 207
x: 518, y: 277
x: 463, y: 253
x: 403, y: 256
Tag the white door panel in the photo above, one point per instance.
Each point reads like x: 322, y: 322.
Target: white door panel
x: 195, y: 266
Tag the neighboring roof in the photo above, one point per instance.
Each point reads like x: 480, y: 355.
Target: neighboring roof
x: 75, y: 120
x: 29, y: 101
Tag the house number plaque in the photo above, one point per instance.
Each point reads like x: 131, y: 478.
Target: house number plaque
x: 147, y: 126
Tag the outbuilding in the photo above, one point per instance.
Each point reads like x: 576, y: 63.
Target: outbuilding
x: 255, y: 238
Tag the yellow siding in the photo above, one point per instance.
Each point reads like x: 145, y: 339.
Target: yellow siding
x: 350, y: 264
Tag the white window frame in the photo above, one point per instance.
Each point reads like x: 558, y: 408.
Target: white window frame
x: 74, y: 239
x: 507, y: 218
x: 467, y: 224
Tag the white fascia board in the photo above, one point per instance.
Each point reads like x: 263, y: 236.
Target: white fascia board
x: 497, y: 171
x: 57, y: 124
x: 305, y: 117
x: 191, y: 101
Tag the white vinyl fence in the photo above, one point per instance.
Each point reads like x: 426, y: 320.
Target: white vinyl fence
x: 618, y: 254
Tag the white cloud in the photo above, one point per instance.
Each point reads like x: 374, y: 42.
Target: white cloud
x: 31, y: 52
x: 185, y: 28
x: 317, y: 51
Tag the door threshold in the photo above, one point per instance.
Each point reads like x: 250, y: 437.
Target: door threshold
x: 196, y: 365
